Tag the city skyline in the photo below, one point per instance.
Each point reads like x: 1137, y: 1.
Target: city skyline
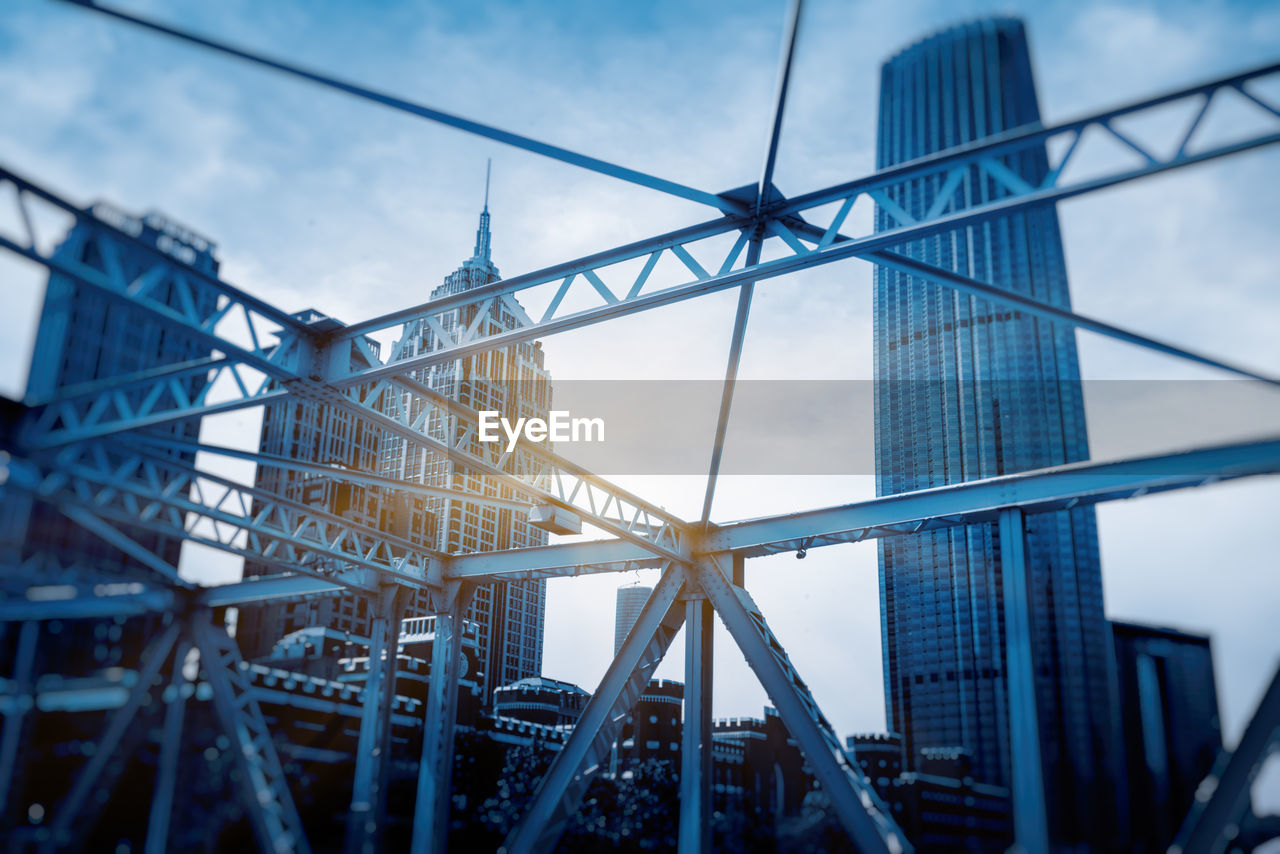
x: 243, y: 274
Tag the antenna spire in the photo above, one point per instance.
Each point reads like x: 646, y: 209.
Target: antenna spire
x: 482, y: 233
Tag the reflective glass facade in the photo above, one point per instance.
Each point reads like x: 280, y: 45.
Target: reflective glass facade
x: 967, y: 389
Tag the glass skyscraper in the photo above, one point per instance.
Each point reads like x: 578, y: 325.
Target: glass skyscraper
x: 966, y: 389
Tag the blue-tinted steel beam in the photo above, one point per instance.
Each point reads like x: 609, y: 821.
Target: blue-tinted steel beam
x: 824, y: 254
x: 1223, y: 799
x: 158, y: 493
x: 697, y: 769
x: 1036, y: 491
x: 68, y: 815
x: 745, y: 292
x: 554, y: 273
x: 23, y: 681
x: 561, y: 789
x: 368, y: 811
x: 515, y: 140
x: 961, y: 157
x: 1053, y: 314
x: 175, y: 699
x: 864, y: 816
x: 1018, y: 139
x: 71, y: 603
x: 440, y: 715
x: 1030, y: 823
x: 740, y: 318
x: 334, y: 472
x: 779, y: 103
x: 110, y: 534
x: 271, y: 588
x: 29, y: 248
x: 192, y: 367
x: 622, y: 513
x: 584, y: 558
x: 264, y: 788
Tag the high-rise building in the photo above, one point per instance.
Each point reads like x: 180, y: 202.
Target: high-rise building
x: 510, y: 380
x: 317, y: 432
x: 1172, y: 733
x: 508, y: 616
x: 631, y: 599
x: 968, y: 389
x: 84, y: 335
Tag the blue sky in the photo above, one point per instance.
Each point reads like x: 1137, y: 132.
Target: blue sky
x: 319, y: 200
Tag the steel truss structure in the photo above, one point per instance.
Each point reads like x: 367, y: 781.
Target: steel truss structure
x: 90, y: 452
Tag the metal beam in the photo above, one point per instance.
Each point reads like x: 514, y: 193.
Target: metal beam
x: 1042, y: 490
x: 515, y: 140
x: 175, y: 699
x: 15, y: 717
x: 1030, y: 136
x: 730, y: 380
x: 435, y: 767
x: 1223, y: 799
x: 864, y: 816
x: 276, y: 587
x: 1054, y: 314
x: 560, y: 791
x: 779, y: 102
x: 83, y: 517
x: 333, y: 472
x: 368, y: 812
x: 133, y: 486
x: 1030, y: 823
x: 264, y: 789
x: 71, y: 810
x: 554, y: 561
x: 697, y: 768
x: 1036, y: 491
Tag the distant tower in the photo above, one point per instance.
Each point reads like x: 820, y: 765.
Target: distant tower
x: 631, y: 599
x: 511, y: 380
x: 85, y: 337
x: 969, y: 389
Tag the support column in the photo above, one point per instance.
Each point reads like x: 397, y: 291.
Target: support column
x: 367, y: 813
x: 170, y: 748
x: 696, y: 769
x: 71, y: 813
x: 1030, y: 825
x: 264, y: 790
x: 868, y: 822
x: 435, y: 769
x: 15, y: 720
x: 561, y: 789
x: 1222, y: 802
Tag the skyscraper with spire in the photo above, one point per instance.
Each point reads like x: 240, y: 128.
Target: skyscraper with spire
x: 511, y: 380
x: 509, y: 616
